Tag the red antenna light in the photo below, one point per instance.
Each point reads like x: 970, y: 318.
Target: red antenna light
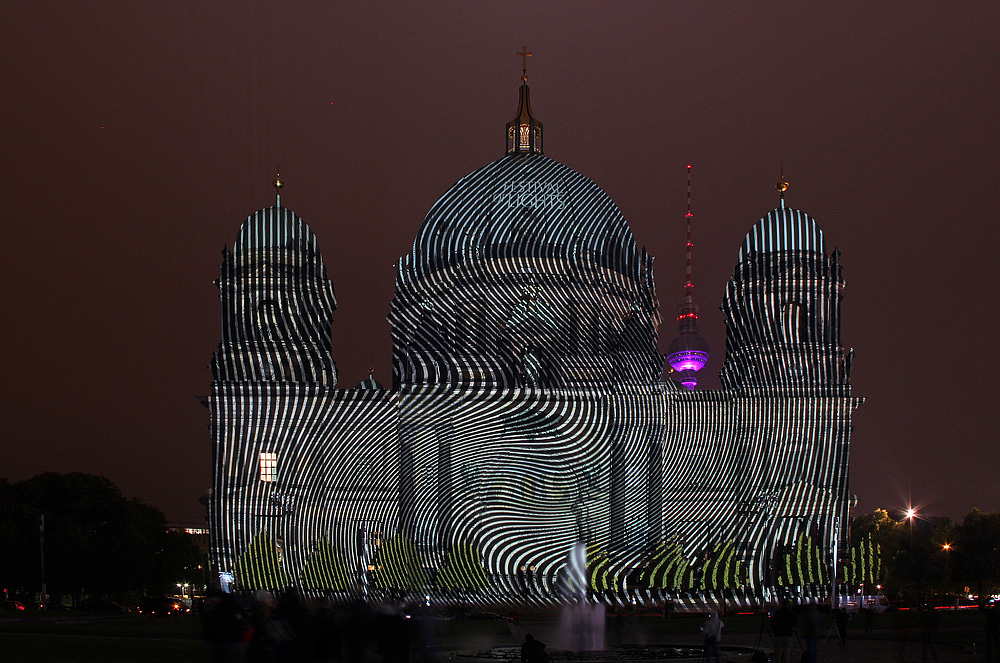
x: 690, y: 244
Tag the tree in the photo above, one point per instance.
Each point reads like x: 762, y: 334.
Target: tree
x: 803, y: 565
x: 326, y: 569
x: 667, y: 569
x: 463, y: 569
x: 259, y: 567
x: 863, y: 564
x: 724, y: 570
x: 95, y: 540
x: 599, y: 578
x: 397, y: 565
x: 906, y: 556
x: 977, y: 551
x: 889, y: 539
x: 19, y: 552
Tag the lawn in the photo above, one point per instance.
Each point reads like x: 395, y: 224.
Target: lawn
x: 85, y: 638
x: 76, y: 639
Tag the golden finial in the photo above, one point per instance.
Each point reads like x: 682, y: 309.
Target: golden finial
x: 782, y: 185
x: 277, y: 183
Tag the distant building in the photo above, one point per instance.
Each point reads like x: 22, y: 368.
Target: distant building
x: 199, y: 535
x: 527, y: 411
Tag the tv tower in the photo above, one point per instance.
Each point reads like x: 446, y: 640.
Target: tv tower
x: 688, y: 353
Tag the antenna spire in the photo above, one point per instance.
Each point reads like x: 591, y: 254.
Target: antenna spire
x: 689, y: 285
x: 277, y: 184
x: 524, y: 132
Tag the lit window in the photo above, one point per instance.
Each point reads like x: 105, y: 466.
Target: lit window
x: 795, y: 322
x: 268, y: 466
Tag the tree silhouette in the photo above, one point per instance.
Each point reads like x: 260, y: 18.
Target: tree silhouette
x: 977, y: 551
x: 96, y: 541
x: 863, y: 564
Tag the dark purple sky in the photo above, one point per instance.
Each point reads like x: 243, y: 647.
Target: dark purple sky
x: 138, y: 136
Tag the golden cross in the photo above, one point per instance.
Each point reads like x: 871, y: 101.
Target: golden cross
x: 524, y: 55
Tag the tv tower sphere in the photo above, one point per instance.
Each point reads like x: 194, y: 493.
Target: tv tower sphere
x: 687, y: 355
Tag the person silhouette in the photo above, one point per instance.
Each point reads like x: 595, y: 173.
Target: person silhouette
x: 713, y: 637
x: 533, y: 651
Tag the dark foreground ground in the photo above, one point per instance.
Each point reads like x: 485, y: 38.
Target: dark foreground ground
x: 72, y: 638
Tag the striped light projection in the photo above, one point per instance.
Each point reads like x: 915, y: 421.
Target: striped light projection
x: 782, y: 309
x: 528, y: 449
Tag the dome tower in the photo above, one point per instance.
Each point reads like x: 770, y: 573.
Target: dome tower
x: 524, y: 274
x: 277, y: 303
x: 688, y: 353
x: 782, y: 308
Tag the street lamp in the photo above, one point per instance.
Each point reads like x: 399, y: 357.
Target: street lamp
x: 947, y: 549
x: 911, y: 513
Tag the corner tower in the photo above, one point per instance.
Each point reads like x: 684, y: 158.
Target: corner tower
x: 782, y: 308
x: 277, y: 303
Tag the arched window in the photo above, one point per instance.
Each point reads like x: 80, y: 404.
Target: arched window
x: 794, y: 322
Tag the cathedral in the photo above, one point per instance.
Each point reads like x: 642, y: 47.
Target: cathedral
x: 532, y: 445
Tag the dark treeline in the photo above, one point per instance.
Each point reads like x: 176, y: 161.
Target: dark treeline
x: 921, y: 557
x: 96, y: 542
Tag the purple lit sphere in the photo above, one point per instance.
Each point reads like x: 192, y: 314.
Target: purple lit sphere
x: 688, y: 352
x: 689, y: 380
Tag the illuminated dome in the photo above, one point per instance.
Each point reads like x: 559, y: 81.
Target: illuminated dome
x: 782, y: 308
x: 278, y: 304
x: 522, y: 205
x: 783, y: 229
x: 275, y: 227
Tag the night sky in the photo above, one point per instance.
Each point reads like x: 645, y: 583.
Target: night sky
x: 137, y: 137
